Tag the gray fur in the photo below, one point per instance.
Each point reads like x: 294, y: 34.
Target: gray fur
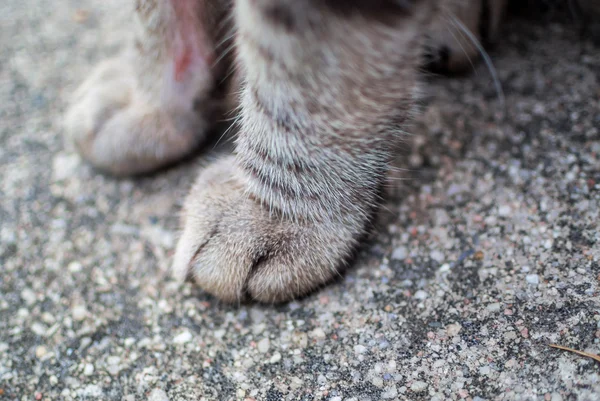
x: 325, y: 92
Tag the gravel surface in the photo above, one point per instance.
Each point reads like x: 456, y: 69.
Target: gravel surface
x: 487, y: 249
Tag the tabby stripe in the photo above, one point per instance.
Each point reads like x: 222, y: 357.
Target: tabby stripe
x: 281, y: 120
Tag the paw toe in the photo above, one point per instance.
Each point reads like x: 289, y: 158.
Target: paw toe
x: 238, y: 250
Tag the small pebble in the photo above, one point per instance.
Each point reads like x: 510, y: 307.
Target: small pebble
x: 377, y: 381
x: 400, y: 253
x: 275, y: 358
x: 532, y: 279
x: 65, y: 166
x: 48, y: 318
x: 79, y: 312
x: 183, y: 338
x: 41, y: 351
x: 504, y: 210
x: 360, y: 349
x: 158, y: 395
x: 74, y: 267
x: 28, y: 296
x: 453, y: 329
x: 390, y: 393
x: 264, y: 345
x: 317, y: 333
x: 436, y: 255
x: 418, y: 386
x: 88, y: 370
x: 39, y: 329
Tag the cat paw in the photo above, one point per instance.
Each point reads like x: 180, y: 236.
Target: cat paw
x: 238, y: 250
x: 122, y: 130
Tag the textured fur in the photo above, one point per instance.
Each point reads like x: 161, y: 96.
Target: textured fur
x: 141, y: 110
x: 326, y: 87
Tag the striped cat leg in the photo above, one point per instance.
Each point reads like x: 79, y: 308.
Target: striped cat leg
x: 326, y: 87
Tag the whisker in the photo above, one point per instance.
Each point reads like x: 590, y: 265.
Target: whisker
x: 233, y: 124
x: 486, y: 58
x: 223, y: 55
x: 460, y: 44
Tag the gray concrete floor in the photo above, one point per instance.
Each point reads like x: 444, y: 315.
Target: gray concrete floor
x: 487, y: 249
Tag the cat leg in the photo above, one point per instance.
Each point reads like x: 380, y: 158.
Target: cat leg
x: 327, y: 86
x: 154, y: 103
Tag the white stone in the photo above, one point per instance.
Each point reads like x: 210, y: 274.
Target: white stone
x: 113, y: 366
x: 88, y: 369
x: 91, y: 390
x: 377, y: 381
x: 453, y: 329
x: 317, y: 333
x: 39, y: 329
x: 532, y: 279
x: 390, y: 393
x: 48, y: 318
x: 158, y: 395
x: 183, y: 337
x: 400, y: 253
x: 437, y: 255
x: 360, y: 349
x: 79, y: 312
x: 275, y: 358
x: 74, y: 267
x: 418, y: 386
x: 264, y: 345
x: 64, y: 166
x: 504, y: 210
x: 41, y: 351
x: 28, y: 296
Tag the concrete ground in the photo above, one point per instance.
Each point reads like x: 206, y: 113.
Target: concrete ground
x: 487, y: 249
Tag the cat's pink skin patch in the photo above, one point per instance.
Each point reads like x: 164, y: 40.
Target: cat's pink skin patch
x: 182, y: 63
x: 191, y: 49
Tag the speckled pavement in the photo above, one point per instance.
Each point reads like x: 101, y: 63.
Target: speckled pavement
x: 486, y: 250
